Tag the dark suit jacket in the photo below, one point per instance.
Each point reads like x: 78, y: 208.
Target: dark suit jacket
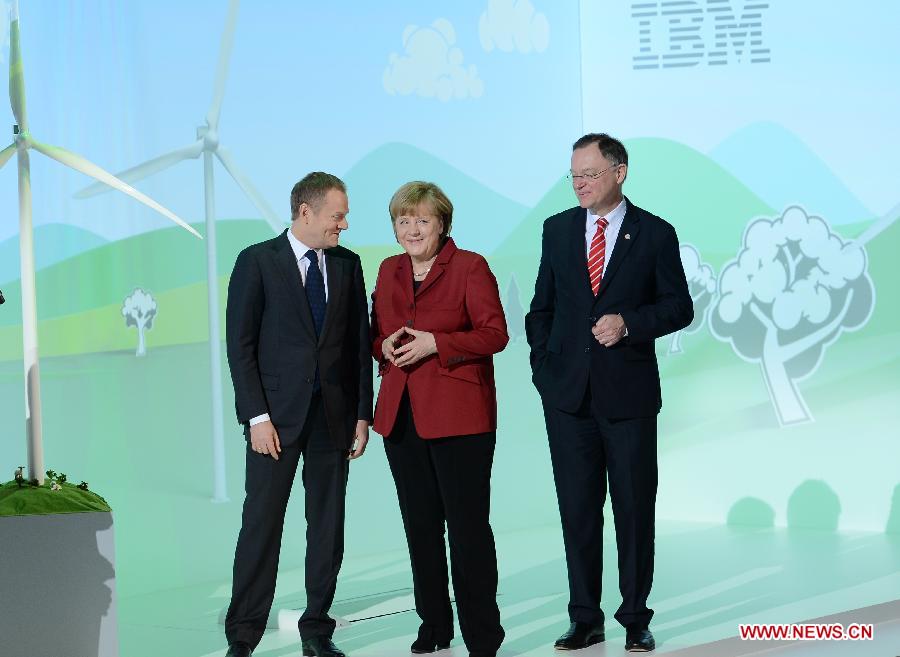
x: 272, y: 345
x: 644, y: 282
x: 452, y: 392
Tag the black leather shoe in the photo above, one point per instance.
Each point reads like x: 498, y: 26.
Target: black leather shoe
x: 580, y: 635
x: 423, y: 646
x: 639, y: 641
x: 320, y: 646
x: 239, y: 649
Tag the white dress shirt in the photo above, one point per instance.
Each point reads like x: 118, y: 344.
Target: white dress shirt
x: 300, y: 250
x: 303, y: 263
x: 615, y: 219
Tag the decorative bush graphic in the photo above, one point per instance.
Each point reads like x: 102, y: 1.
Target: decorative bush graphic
x: 793, y: 288
x: 702, y: 285
x: 139, y: 310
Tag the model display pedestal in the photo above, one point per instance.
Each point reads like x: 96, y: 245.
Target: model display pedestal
x: 57, y: 578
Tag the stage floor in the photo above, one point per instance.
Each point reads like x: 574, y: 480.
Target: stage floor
x: 708, y: 580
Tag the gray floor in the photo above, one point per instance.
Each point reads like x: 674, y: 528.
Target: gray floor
x: 708, y: 580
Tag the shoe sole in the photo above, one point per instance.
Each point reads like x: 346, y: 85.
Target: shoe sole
x: 428, y: 652
x: 586, y: 645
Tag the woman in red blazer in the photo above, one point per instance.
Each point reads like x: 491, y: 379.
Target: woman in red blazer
x: 436, y: 323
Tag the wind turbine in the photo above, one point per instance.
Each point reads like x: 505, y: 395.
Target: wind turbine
x: 208, y: 145
x: 22, y: 143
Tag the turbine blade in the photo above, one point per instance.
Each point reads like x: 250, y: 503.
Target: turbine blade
x: 212, y: 117
x: 146, y: 169
x: 255, y: 197
x: 7, y: 153
x: 88, y: 168
x: 16, y: 71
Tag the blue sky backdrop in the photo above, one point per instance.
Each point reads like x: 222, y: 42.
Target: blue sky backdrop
x: 122, y: 83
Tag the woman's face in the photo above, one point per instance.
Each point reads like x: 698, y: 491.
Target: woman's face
x: 419, y: 233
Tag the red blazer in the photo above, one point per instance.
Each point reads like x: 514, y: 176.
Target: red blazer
x: 452, y: 392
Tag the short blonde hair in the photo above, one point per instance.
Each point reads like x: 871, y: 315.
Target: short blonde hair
x: 410, y: 196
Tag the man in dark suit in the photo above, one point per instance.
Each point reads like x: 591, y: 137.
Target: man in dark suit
x: 298, y: 347
x: 610, y: 282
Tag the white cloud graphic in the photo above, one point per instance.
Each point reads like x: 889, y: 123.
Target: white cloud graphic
x: 513, y: 25
x: 431, y: 66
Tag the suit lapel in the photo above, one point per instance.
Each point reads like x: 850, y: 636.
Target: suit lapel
x: 403, y: 277
x: 437, y: 269
x: 287, y: 265
x: 627, y: 236
x: 336, y: 271
x: 577, y: 251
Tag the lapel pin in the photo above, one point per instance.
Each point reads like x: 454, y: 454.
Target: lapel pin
x: 627, y: 236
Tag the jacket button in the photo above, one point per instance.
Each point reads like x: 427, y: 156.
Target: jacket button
x: 587, y: 350
x: 409, y: 323
x: 592, y: 320
x: 309, y: 379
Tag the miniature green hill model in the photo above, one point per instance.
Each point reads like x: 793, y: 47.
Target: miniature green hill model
x: 56, y: 495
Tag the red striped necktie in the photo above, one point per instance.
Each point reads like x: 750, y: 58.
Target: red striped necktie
x: 597, y: 255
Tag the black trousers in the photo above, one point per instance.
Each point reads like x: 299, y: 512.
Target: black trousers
x: 585, y: 450
x: 448, y: 480
x: 268, y: 486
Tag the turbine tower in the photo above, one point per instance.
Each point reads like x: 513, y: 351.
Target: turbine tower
x: 23, y: 142
x: 208, y: 145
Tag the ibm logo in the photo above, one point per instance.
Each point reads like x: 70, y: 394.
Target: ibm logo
x: 681, y: 33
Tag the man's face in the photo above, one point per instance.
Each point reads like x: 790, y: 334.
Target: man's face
x: 598, y: 193
x: 321, y: 228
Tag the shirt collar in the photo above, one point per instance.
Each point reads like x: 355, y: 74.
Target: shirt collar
x: 613, y: 218
x: 300, y: 248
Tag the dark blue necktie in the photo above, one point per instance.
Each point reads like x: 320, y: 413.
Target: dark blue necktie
x: 315, y: 295
x: 315, y: 290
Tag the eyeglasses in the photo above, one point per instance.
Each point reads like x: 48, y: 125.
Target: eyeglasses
x: 587, y: 175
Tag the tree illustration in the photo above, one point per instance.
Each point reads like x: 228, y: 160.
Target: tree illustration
x: 139, y: 310
x: 793, y: 288
x: 515, y: 314
x: 702, y: 286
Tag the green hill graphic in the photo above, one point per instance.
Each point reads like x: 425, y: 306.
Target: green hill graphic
x: 372, y: 181
x: 79, y: 298
x: 52, y: 243
x: 707, y: 205
x: 156, y: 261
